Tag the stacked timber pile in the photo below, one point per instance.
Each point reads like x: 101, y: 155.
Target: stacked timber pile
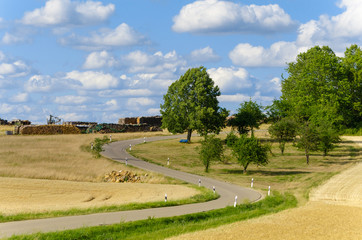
x: 119, y: 128
x: 48, y: 129
x: 123, y: 176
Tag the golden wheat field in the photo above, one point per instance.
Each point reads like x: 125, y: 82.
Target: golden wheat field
x: 333, y: 212
x: 20, y: 195
x: 59, y: 157
x: 58, y: 172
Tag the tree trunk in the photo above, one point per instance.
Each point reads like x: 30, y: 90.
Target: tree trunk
x: 189, y: 132
x: 307, y: 155
x: 245, y: 167
x: 282, y: 146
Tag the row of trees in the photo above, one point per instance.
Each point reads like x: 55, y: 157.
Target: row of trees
x: 321, y: 95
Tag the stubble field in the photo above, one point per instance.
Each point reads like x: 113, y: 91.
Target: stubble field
x: 58, y: 173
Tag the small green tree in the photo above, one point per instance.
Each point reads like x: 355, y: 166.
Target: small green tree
x: 328, y: 137
x: 249, y: 116
x: 250, y: 150
x: 211, y: 150
x: 191, y: 104
x: 283, y: 130
x: 324, y: 119
x: 277, y: 110
x: 231, y: 138
x: 308, y: 138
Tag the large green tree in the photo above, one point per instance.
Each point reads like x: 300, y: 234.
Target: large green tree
x: 312, y: 80
x: 248, y: 117
x: 191, y: 104
x: 351, y: 88
x: 319, y: 78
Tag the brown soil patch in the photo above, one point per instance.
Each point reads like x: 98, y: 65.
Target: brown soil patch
x: 20, y: 195
x: 318, y: 219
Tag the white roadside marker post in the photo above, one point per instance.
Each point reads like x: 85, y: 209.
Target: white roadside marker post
x: 130, y: 147
x: 91, y: 146
x: 269, y: 191
x: 252, y: 183
x: 236, y: 199
x: 199, y: 182
x: 213, y: 189
x: 126, y: 161
x: 110, y: 138
x: 168, y: 161
x: 144, y: 139
x: 165, y: 197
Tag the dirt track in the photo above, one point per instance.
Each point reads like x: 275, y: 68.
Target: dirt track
x: 334, y: 212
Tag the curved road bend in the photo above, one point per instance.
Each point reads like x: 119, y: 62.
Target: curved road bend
x: 117, y: 152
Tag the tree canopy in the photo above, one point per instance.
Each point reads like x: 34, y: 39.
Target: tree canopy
x: 318, y: 78
x: 250, y: 150
x: 249, y: 116
x: 191, y: 104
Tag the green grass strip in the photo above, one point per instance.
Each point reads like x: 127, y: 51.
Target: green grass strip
x: 204, y: 196
x: 166, y: 227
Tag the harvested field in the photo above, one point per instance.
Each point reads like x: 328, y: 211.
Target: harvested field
x: 61, y: 157
x: 318, y: 219
x: 20, y: 195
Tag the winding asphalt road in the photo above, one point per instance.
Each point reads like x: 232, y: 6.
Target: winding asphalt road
x: 117, y: 152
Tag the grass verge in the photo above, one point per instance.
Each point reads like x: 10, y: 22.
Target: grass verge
x: 204, y: 196
x: 166, y: 227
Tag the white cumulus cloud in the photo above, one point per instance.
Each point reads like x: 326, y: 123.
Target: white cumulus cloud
x: 6, y: 108
x: 93, y: 80
x: 230, y: 79
x: 99, y: 60
x: 9, y: 38
x: 13, y: 68
x: 39, y: 83
x: 278, y: 54
x: 206, y: 54
x: 67, y: 12
x: 72, y: 116
x: 135, y: 104
x: 153, y: 111
x: 158, y: 62
x: 20, y: 98
x: 122, y: 36
x: 233, y: 98
x: 71, y: 100
x: 337, y: 32
x: 213, y: 16
x: 125, y: 93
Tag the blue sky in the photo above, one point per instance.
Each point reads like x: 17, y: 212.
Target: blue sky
x: 103, y: 60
